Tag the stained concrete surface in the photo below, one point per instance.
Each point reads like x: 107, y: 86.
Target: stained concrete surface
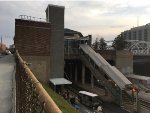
x: 7, y: 71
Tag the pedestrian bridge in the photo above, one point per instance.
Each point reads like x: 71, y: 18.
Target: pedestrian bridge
x: 100, y: 70
x: 109, y: 76
x: 101, y: 64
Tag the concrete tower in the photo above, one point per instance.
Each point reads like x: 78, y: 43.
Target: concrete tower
x: 55, y: 16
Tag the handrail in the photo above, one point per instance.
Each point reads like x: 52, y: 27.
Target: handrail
x: 45, y: 100
x: 25, y: 17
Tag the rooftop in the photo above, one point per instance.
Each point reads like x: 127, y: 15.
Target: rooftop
x: 88, y: 93
x: 59, y: 81
x: 30, y: 18
x: 69, y: 31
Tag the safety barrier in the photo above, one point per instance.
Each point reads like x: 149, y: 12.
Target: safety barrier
x: 31, y: 97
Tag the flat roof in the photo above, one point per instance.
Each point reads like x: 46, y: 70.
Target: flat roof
x: 88, y: 93
x: 59, y: 81
x: 137, y: 77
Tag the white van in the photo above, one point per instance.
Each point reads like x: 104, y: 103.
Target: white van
x: 90, y: 99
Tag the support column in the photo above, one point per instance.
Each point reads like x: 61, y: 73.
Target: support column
x: 76, y: 73
x: 121, y: 97
x: 92, y: 81
x: 83, y: 74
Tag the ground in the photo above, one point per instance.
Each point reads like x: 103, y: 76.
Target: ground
x: 7, y: 69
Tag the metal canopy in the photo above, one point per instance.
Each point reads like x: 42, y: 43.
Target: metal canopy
x: 88, y: 93
x: 59, y: 81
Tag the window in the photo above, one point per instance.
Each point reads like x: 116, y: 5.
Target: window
x: 145, y: 34
x: 129, y: 35
x: 140, y: 35
x: 134, y: 35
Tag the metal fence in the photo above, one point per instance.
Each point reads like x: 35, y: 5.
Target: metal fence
x: 26, y: 17
x: 31, y: 97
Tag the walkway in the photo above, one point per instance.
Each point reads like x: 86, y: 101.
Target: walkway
x: 7, y: 71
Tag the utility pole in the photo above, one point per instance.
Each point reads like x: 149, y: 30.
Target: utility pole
x: 1, y: 42
x: 137, y: 21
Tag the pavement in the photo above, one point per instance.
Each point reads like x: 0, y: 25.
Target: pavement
x: 7, y: 72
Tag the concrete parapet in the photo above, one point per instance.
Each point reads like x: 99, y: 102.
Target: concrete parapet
x: 40, y: 66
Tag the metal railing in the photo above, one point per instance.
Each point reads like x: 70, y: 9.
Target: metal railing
x: 31, y: 97
x: 26, y: 17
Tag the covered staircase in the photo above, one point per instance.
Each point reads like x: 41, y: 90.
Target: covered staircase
x: 111, y: 78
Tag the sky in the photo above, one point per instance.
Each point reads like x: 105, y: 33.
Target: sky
x: 102, y: 18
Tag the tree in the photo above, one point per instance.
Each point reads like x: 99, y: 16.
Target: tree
x: 118, y: 43
x: 95, y: 45
x: 102, y: 44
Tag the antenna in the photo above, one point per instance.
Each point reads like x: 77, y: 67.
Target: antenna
x: 137, y: 21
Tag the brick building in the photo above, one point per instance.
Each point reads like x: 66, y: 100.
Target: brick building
x: 42, y: 43
x: 32, y: 42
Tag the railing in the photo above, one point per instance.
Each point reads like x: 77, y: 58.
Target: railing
x: 25, y: 17
x: 31, y: 97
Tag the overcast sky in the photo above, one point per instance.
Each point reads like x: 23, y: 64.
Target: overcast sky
x: 103, y: 18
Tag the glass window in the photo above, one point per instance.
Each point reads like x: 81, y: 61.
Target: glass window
x: 145, y: 34
x: 140, y: 34
x: 134, y: 35
x: 129, y: 35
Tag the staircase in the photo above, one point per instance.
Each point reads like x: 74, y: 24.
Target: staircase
x: 113, y: 80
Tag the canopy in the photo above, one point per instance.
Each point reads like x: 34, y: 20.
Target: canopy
x: 59, y: 81
x: 88, y: 93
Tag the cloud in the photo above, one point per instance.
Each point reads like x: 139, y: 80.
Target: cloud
x: 106, y: 18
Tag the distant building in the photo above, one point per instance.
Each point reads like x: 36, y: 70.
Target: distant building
x: 141, y: 33
x: 71, y: 33
x: 2, y: 47
x: 12, y: 48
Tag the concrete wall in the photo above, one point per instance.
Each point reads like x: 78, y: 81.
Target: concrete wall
x: 40, y: 66
x: 141, y: 65
x: 124, y: 61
